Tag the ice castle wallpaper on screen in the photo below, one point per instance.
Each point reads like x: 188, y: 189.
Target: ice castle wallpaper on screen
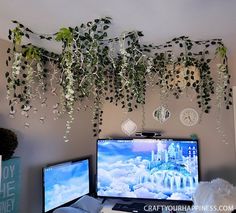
x: 65, y: 182
x: 152, y: 169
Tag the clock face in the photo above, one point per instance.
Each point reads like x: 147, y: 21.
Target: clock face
x: 189, y: 117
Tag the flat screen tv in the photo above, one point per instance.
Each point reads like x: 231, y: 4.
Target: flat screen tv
x: 65, y: 182
x: 162, y: 169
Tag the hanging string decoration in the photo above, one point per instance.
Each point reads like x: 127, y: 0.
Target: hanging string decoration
x: 117, y: 70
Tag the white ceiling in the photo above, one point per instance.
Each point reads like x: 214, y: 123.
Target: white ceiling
x: 160, y: 20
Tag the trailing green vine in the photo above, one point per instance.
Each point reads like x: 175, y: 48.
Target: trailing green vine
x: 117, y: 70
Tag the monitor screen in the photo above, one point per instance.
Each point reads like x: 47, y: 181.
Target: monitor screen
x: 165, y: 169
x: 65, y: 182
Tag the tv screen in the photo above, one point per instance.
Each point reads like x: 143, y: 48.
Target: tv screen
x: 165, y: 169
x: 65, y: 182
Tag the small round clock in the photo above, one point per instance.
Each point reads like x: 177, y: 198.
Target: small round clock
x: 189, y: 117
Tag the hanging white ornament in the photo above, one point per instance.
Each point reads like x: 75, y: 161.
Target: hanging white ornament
x: 25, y: 113
x: 26, y: 108
x: 129, y: 127
x: 161, y: 114
x: 55, y: 106
x: 43, y: 103
x: 12, y: 114
x: 42, y: 119
x: 27, y: 125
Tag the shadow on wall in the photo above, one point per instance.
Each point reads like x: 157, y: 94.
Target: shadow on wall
x: 227, y: 173
x: 35, y: 182
x: 3, y: 121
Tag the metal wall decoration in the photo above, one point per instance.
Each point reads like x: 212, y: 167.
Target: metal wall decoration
x: 161, y: 114
x: 129, y: 127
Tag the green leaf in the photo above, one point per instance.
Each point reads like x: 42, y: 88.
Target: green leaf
x: 94, y: 27
x: 64, y: 34
x: 221, y: 51
x: 104, y: 34
x: 106, y: 20
x: 140, y: 33
x: 105, y: 27
x: 89, y: 23
x: 17, y: 35
x: 32, y: 53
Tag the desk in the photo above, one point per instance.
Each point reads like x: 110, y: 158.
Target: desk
x: 107, y: 207
x: 109, y: 203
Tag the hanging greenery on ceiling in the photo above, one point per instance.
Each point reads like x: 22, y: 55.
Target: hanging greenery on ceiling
x: 118, y: 70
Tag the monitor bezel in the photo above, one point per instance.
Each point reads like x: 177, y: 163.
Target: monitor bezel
x: 153, y: 199
x: 74, y: 160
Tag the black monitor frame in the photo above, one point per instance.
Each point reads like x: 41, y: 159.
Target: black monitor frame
x: 88, y: 157
x: 146, y: 199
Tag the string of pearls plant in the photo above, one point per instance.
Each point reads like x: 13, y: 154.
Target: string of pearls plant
x: 118, y: 70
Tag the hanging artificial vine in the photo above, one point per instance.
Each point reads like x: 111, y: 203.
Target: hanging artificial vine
x: 117, y: 70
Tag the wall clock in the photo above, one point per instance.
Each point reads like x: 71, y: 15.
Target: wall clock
x: 189, y: 117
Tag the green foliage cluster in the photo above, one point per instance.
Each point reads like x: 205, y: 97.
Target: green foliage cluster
x: 117, y: 70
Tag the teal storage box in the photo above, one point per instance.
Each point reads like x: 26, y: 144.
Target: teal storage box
x: 9, y: 189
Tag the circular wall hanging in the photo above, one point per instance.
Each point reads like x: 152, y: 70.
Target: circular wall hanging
x: 161, y: 114
x: 189, y: 117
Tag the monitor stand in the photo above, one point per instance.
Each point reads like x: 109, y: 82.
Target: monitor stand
x: 134, y: 207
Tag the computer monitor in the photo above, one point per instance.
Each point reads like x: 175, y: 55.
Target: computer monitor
x: 65, y: 182
x: 160, y: 169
